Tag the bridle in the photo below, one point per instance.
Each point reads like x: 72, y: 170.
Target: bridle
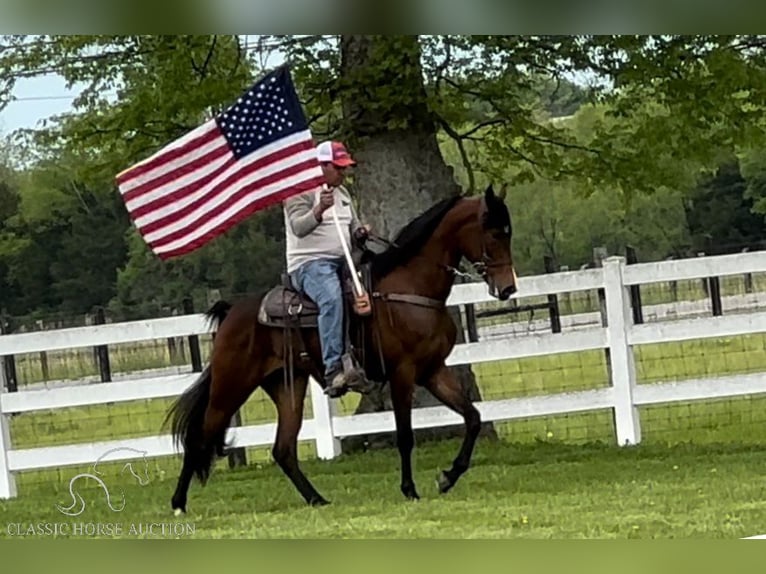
x: 481, y: 267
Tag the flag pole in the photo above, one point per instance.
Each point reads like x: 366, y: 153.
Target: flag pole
x: 361, y: 298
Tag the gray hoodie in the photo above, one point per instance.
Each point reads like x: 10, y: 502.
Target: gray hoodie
x: 308, y: 239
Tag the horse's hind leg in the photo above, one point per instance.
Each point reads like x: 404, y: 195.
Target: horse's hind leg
x: 445, y: 387
x: 201, y: 416
x: 289, y: 402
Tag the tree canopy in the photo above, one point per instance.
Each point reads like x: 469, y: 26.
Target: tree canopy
x: 604, y: 140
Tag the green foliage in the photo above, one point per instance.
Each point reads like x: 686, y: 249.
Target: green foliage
x: 753, y: 167
x: 720, y: 212
x: 247, y: 259
x: 62, y: 244
x: 71, y: 248
x: 141, y: 92
x: 646, y: 117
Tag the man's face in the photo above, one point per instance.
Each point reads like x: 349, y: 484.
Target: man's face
x: 333, y: 174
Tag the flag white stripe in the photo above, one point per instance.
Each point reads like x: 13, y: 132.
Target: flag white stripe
x: 215, y: 203
x: 163, y: 168
x: 235, y: 208
x: 203, y: 191
x: 176, y: 184
x: 221, y: 198
x: 170, y: 167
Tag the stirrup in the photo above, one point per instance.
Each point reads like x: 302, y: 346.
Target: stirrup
x: 333, y: 391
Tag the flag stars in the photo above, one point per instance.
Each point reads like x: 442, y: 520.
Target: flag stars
x: 259, y: 117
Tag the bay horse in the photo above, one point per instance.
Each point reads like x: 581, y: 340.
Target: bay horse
x: 413, y: 333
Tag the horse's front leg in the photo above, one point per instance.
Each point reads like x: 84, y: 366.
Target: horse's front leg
x: 402, y: 388
x: 445, y: 387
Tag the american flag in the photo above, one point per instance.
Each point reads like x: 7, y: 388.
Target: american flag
x: 257, y: 153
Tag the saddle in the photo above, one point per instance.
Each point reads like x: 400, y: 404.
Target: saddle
x: 285, y: 306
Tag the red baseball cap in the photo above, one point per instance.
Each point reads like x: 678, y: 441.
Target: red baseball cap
x: 334, y: 152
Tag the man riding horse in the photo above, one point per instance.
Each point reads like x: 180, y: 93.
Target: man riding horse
x: 315, y: 259
x: 412, y: 333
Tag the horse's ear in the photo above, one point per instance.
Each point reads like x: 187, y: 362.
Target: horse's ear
x: 489, y: 194
x: 503, y: 192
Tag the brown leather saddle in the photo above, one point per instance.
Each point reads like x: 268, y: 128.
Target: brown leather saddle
x: 285, y: 306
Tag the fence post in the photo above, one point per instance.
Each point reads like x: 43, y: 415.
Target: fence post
x: 748, y: 277
x: 470, y: 323
x: 328, y: 446
x: 712, y: 288
x: 470, y: 316
x: 102, y: 351
x: 553, y: 300
x: 622, y: 366
x: 704, y: 281
x: 8, y: 372
x: 44, y: 365
x: 599, y: 255
x: 635, y: 290
x: 237, y: 455
x: 7, y: 480
x: 715, y: 296
x: 196, y: 357
x: 673, y: 284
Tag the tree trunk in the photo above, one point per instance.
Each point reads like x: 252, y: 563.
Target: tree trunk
x: 400, y: 171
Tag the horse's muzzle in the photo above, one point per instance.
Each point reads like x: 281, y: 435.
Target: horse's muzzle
x: 506, y: 293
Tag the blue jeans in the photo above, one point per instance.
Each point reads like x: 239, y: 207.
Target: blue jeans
x: 320, y: 280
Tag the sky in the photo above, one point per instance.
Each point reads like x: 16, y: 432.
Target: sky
x: 37, y: 99
x: 40, y: 98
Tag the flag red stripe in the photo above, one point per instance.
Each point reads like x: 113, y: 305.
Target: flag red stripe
x: 251, y: 208
x: 244, y: 191
x: 169, y: 155
x: 221, y: 187
x: 181, y: 171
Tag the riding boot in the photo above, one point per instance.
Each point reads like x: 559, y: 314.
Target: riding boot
x: 356, y: 378
x: 336, y: 381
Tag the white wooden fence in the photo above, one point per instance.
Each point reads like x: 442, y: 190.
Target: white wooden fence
x: 623, y: 396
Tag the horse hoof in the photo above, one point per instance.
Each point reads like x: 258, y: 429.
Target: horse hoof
x: 319, y: 502
x: 410, y: 493
x: 178, y: 504
x: 443, y: 482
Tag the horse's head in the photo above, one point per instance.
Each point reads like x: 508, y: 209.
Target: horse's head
x: 486, y: 242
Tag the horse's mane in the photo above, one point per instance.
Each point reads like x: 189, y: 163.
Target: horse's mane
x: 412, y: 237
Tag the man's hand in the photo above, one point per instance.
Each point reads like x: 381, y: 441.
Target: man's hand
x: 326, y: 201
x: 362, y: 233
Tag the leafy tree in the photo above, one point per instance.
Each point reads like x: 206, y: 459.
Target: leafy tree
x: 142, y: 92
x: 720, y: 213
x: 247, y: 259
x: 62, y: 244
x: 663, y: 108
x: 753, y: 168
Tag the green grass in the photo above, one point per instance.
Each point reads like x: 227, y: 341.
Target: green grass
x: 697, y: 473
x: 541, y: 490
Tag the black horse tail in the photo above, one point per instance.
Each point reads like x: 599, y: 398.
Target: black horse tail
x: 187, y: 417
x: 187, y: 414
